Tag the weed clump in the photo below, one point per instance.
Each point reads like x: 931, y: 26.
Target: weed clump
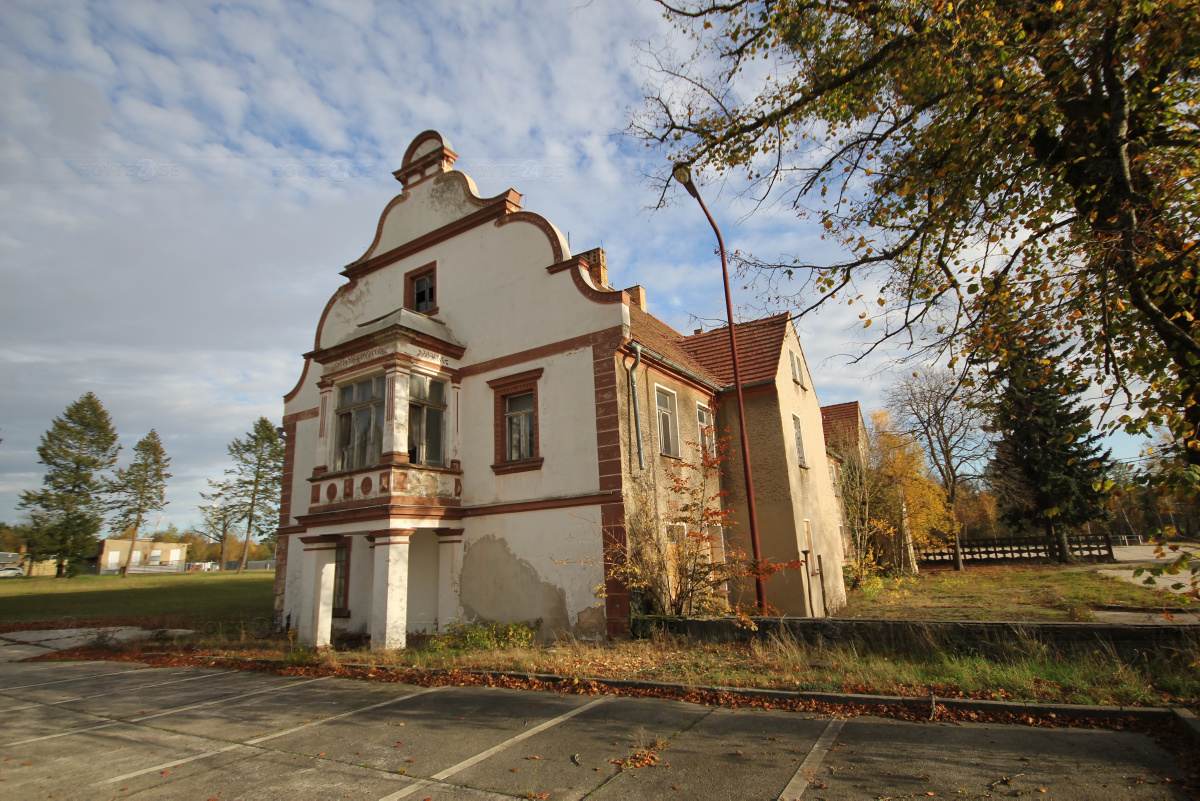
x: 485, y: 636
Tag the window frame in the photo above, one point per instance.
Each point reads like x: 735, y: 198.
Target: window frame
x: 524, y: 383
x: 373, y: 403
x: 797, y: 368
x: 341, y: 595
x: 422, y: 459
x: 798, y: 438
x: 707, y: 440
x: 410, y: 288
x: 673, y: 415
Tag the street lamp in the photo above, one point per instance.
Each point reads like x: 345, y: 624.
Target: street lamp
x: 683, y: 174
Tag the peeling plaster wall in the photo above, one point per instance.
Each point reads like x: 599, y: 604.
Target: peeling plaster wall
x: 546, y: 564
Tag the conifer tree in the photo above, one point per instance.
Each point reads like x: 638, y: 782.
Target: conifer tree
x: 255, y: 481
x: 140, y: 489
x: 1048, y: 469
x: 67, y: 512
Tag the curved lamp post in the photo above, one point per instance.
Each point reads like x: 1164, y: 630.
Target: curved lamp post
x: 683, y: 174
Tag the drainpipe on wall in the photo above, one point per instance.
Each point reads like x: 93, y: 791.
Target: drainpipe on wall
x: 637, y: 417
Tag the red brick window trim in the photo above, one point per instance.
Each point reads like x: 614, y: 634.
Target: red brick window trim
x: 517, y: 416
x: 423, y: 281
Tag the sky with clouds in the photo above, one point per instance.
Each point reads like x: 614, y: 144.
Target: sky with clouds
x: 180, y: 183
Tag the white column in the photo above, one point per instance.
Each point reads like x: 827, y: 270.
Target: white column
x: 389, y: 591
x: 316, y: 613
x: 325, y: 429
x: 395, y: 429
x: 450, y: 551
x: 304, y: 614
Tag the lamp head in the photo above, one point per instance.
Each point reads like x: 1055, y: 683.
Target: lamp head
x: 683, y: 174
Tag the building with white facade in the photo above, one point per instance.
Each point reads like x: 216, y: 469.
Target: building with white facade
x: 462, y: 441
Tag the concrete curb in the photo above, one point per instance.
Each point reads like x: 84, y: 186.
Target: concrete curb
x: 1186, y: 719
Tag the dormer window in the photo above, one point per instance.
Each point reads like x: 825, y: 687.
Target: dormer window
x: 420, y: 289
x: 360, y: 423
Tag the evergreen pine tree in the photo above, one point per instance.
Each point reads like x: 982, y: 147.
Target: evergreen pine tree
x: 67, y: 512
x: 140, y: 489
x: 1048, y: 462
x: 255, y: 481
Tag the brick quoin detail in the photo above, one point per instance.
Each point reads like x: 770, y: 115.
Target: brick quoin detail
x: 612, y: 515
x: 285, y: 504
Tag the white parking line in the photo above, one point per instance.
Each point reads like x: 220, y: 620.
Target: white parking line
x: 172, y: 764
x: 466, y: 763
x: 114, y: 692
x: 79, y: 678
x: 256, y: 740
x: 140, y: 718
x: 228, y: 699
x: 294, y: 729
x: 800, y: 781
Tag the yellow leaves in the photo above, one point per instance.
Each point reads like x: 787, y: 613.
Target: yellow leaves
x: 867, y: 324
x: 998, y: 84
x: 1057, y: 5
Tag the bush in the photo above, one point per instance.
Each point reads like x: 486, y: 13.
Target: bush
x: 468, y: 636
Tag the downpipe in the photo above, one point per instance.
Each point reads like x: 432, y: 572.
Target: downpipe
x: 637, y: 414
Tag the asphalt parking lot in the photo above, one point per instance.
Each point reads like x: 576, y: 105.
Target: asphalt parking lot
x: 117, y: 730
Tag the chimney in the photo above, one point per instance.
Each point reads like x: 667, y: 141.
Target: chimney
x: 637, y: 293
x: 597, y: 266
x: 697, y: 331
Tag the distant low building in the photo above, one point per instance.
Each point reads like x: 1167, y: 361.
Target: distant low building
x: 148, y: 556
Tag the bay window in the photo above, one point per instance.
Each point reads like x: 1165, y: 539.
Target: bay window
x: 426, y: 420
x: 360, y: 423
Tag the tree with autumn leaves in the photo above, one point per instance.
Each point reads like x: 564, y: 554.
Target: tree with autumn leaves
x: 675, y: 556
x: 987, y: 168
x: 891, y: 503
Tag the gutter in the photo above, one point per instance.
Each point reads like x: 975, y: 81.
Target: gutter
x: 676, y: 366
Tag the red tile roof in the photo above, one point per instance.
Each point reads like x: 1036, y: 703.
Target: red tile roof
x: 842, y: 423
x: 653, y: 333
x: 760, y: 345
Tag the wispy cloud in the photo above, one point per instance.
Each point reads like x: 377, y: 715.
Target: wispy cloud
x: 180, y: 184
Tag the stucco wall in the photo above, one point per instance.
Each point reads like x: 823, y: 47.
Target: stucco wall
x: 545, y: 564
x: 786, y: 493
x: 566, y: 433
x: 812, y: 487
x: 495, y: 297
x: 654, y: 479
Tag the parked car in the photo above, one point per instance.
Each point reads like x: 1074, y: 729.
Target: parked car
x: 11, y: 572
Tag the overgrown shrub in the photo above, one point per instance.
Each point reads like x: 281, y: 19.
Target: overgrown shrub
x: 467, y: 636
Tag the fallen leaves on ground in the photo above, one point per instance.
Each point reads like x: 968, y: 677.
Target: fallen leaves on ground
x: 1164, y: 730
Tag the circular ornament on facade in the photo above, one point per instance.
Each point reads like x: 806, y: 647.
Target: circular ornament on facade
x: 331, y: 491
x: 365, y: 485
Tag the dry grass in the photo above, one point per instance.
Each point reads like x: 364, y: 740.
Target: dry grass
x: 1032, y: 672
x: 1006, y: 592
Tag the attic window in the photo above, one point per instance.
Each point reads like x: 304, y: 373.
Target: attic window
x: 797, y: 368
x: 420, y: 289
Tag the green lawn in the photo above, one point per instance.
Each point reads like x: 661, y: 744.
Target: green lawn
x: 170, y: 600
x: 1005, y: 592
